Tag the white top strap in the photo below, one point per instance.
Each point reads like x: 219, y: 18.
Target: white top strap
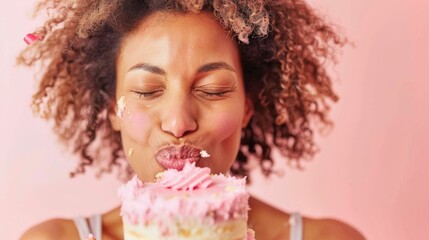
x: 95, y: 222
x: 84, y: 229
x: 296, y: 226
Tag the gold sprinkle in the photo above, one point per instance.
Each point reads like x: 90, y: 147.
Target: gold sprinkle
x: 159, y: 175
x: 130, y: 152
x: 230, y: 188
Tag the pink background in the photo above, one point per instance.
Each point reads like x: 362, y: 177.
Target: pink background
x: 372, y: 171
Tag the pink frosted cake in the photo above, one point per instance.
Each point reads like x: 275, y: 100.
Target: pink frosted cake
x: 187, y: 204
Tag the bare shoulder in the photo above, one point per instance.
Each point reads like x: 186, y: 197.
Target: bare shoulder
x: 272, y: 223
x: 51, y: 229
x: 331, y: 229
x: 267, y: 221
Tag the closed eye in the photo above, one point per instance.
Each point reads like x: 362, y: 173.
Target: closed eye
x: 214, y: 94
x: 146, y: 95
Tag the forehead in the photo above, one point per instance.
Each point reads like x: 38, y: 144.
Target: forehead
x: 162, y: 36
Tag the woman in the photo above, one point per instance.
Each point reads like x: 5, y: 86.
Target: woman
x: 130, y: 80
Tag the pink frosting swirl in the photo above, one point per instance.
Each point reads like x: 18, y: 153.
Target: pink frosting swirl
x: 190, y: 178
x: 187, y: 195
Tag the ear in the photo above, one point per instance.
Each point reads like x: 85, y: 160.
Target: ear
x: 114, y: 119
x: 248, y: 111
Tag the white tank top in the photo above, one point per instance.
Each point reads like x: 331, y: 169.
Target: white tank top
x: 93, y: 225
x: 86, y: 226
x: 296, y: 226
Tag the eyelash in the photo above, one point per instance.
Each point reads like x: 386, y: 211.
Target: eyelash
x: 143, y: 95
x: 146, y: 94
x: 214, y: 94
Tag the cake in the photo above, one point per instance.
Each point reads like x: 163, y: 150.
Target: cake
x: 186, y: 204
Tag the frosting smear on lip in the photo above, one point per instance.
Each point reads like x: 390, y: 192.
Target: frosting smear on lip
x: 185, y: 204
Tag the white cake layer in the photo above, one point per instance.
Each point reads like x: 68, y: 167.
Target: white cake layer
x: 230, y: 230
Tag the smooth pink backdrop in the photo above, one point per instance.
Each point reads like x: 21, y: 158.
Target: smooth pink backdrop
x: 372, y: 171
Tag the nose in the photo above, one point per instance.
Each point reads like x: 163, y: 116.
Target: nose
x: 178, y: 118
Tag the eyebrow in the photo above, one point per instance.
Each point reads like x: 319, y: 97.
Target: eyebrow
x: 149, y: 68
x: 215, y: 66
x: 203, y: 69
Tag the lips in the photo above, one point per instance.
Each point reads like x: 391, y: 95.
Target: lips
x: 175, y: 157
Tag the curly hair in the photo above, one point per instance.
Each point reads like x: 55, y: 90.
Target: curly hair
x: 283, y: 48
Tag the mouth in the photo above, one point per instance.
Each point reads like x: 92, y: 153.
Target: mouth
x: 175, y: 157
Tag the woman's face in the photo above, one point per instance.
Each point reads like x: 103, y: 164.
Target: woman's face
x: 179, y: 90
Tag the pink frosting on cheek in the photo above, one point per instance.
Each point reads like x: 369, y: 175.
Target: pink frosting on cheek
x: 137, y: 125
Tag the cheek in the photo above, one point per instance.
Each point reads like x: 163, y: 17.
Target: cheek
x: 136, y: 125
x: 225, y: 135
x: 225, y: 125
